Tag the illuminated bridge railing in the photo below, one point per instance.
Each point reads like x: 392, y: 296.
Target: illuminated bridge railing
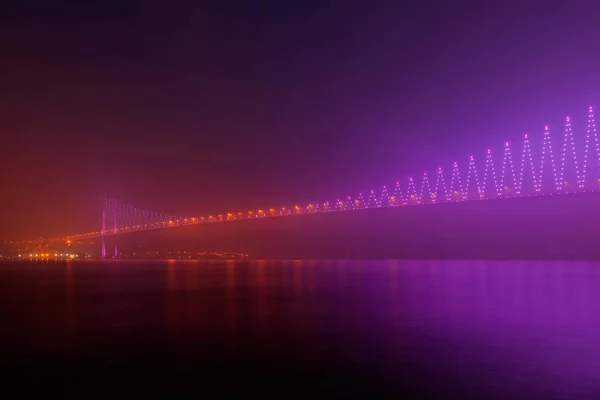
x: 555, y: 166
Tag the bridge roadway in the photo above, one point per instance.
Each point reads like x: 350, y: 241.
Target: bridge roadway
x: 272, y: 213
x: 531, y: 178
x: 536, y: 227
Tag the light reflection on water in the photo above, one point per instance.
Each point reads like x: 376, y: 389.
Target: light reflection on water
x: 504, y: 328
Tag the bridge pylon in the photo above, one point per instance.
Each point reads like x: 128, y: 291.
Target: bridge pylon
x: 103, y: 232
x: 109, y: 211
x: 114, y: 209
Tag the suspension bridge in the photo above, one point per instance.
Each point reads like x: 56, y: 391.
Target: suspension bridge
x: 557, y: 163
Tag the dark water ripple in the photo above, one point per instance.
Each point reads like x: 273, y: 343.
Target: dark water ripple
x: 472, y: 329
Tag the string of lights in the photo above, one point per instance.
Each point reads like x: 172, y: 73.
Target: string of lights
x: 456, y: 187
x: 527, y: 157
x: 384, y: 200
x: 507, y: 167
x: 473, y: 189
x: 411, y: 193
x: 440, y: 184
x: 530, y: 180
x: 548, y: 152
x: 591, y: 134
x: 569, y: 142
x: 426, y: 193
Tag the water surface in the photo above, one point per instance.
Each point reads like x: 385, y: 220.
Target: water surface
x: 447, y: 329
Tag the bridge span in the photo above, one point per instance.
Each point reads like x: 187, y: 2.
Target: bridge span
x: 562, y: 167
x: 545, y: 227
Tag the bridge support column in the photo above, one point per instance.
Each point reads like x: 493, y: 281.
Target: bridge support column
x: 115, y: 227
x: 103, y: 250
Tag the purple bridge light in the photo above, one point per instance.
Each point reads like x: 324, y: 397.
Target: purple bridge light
x: 535, y: 176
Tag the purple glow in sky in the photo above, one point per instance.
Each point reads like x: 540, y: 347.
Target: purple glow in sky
x: 227, y: 105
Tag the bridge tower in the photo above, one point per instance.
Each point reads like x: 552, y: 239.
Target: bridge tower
x: 103, y: 251
x: 115, y: 226
x: 109, y: 211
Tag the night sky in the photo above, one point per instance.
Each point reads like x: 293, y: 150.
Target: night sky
x: 191, y: 107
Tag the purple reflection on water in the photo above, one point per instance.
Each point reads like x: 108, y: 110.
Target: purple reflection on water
x: 507, y: 326
x: 495, y: 329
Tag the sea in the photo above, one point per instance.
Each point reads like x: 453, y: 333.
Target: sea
x: 300, y: 329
